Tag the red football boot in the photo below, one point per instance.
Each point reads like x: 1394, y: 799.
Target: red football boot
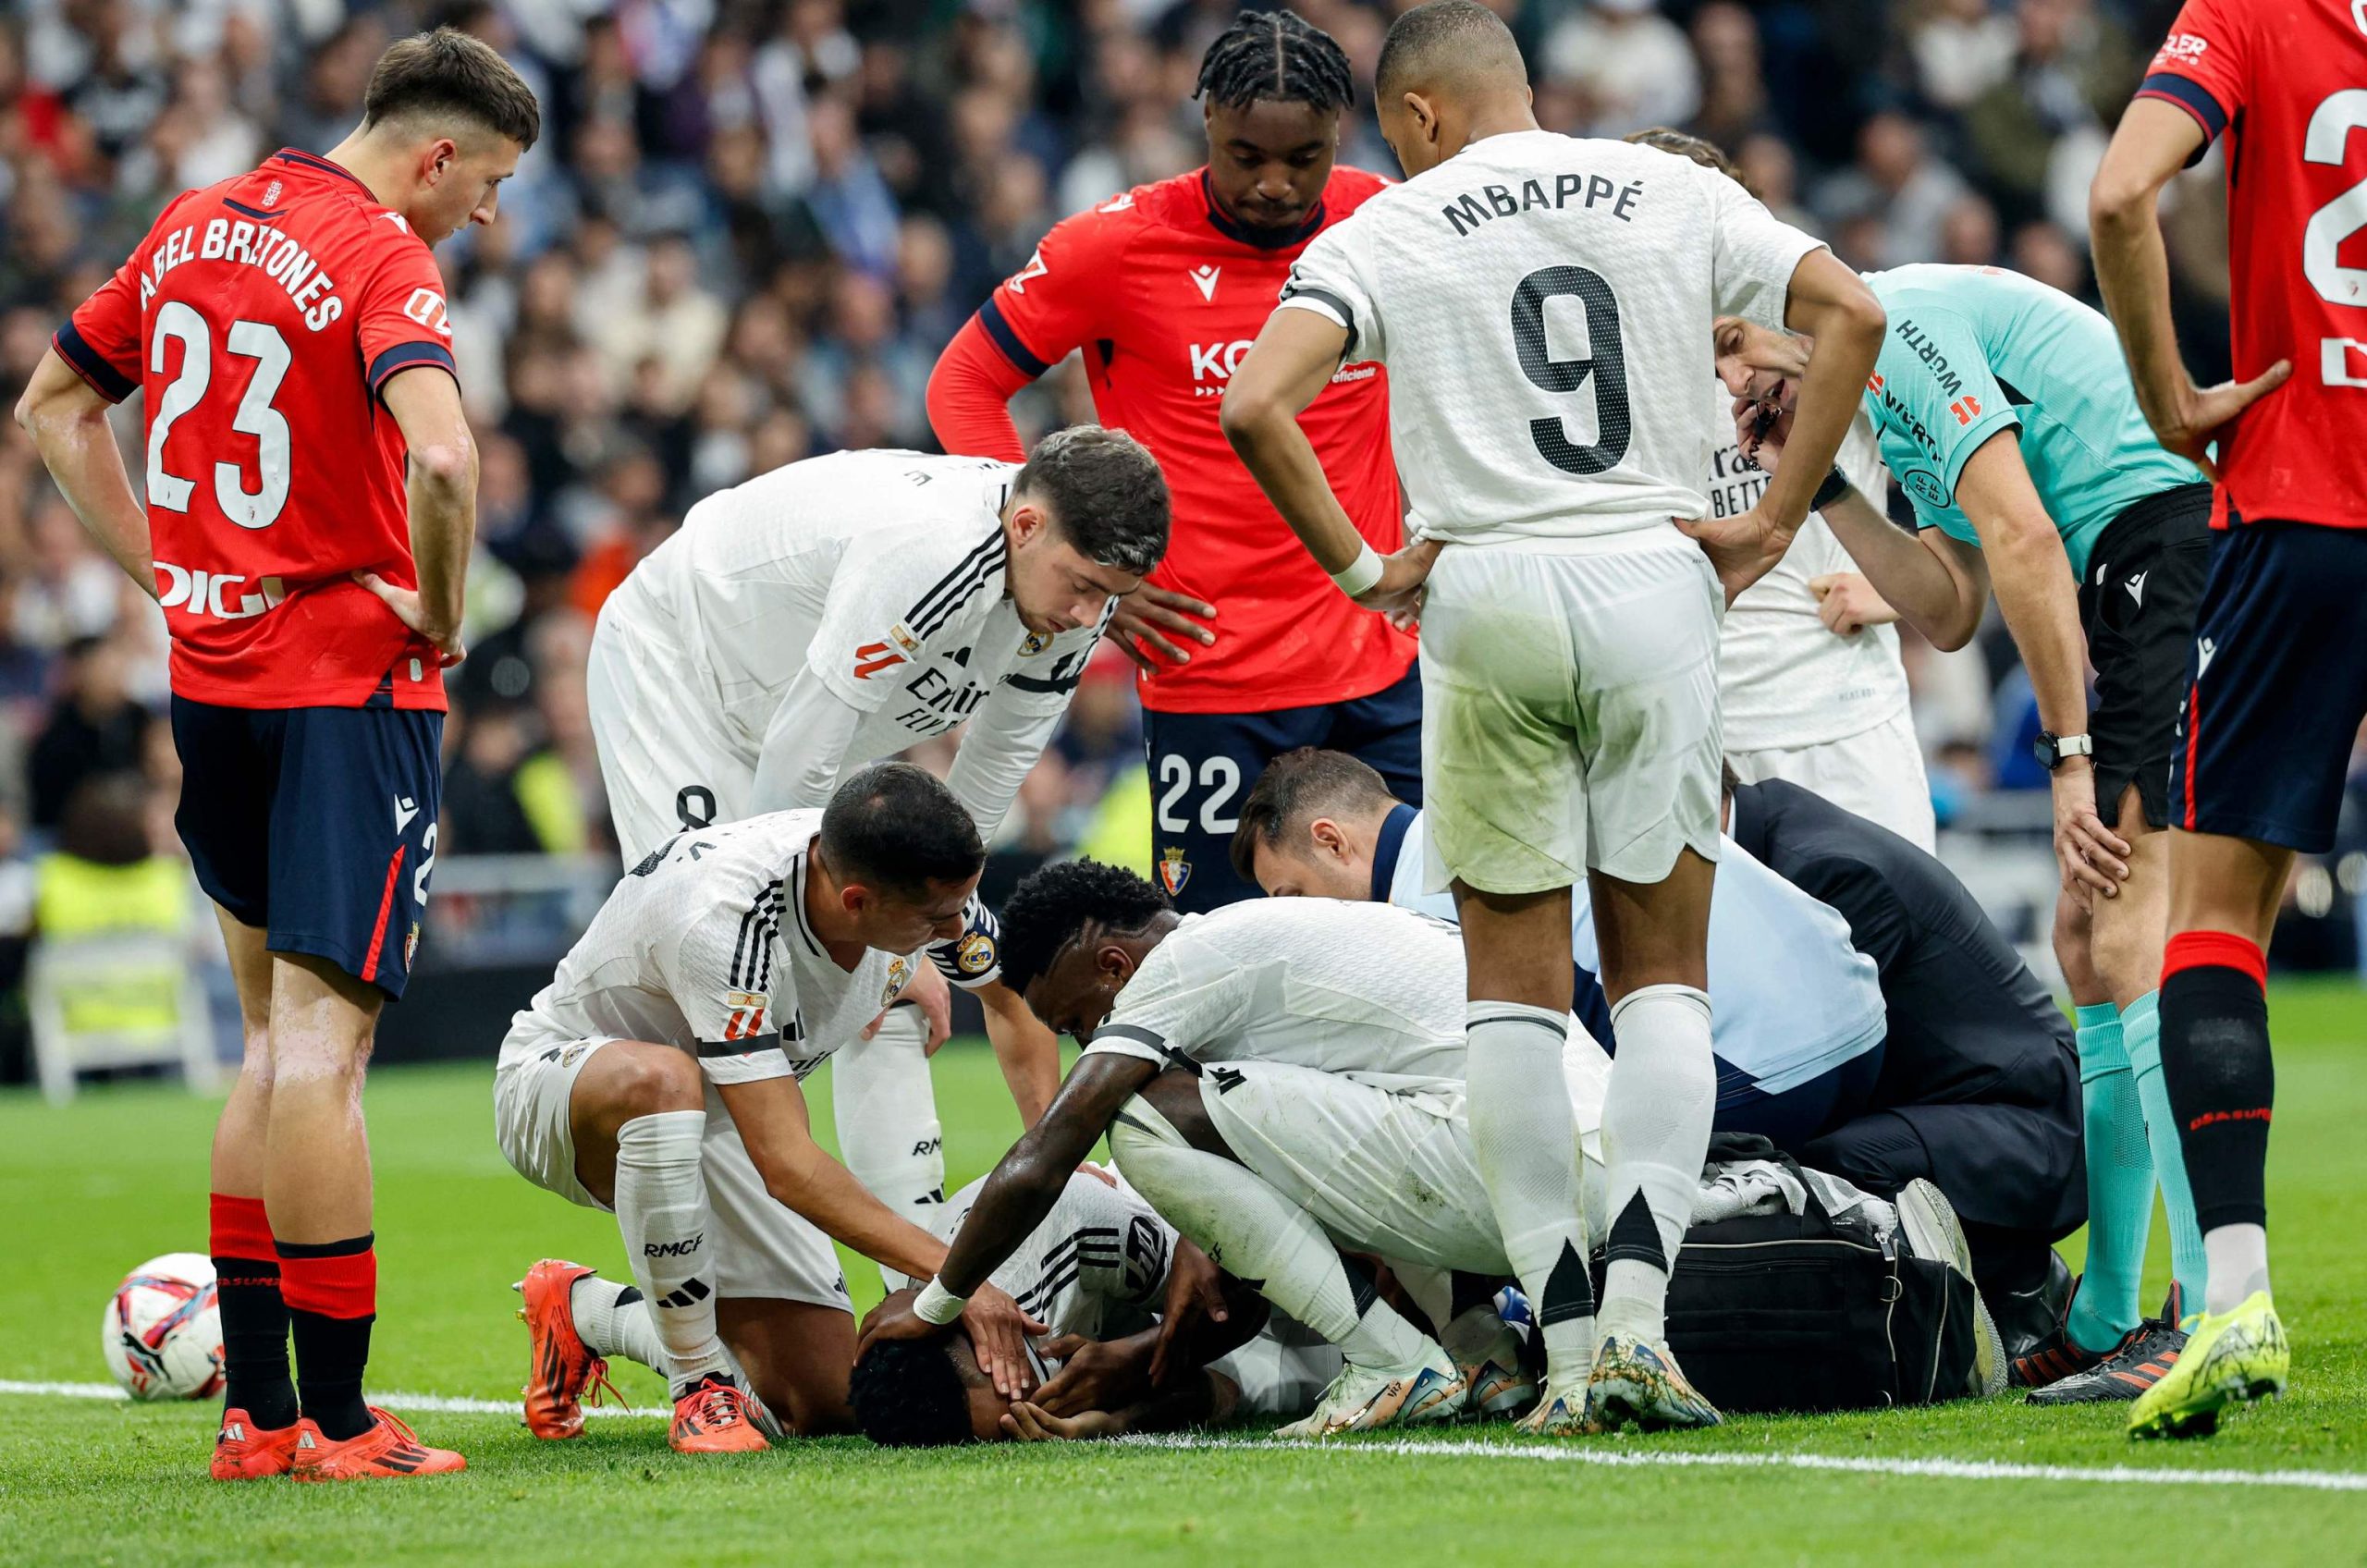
x: 244, y: 1452
x: 559, y: 1368
x: 389, y: 1450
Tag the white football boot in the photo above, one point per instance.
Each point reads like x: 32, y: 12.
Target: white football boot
x: 1361, y: 1400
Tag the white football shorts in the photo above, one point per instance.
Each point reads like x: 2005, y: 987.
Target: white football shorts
x: 1570, y: 711
x: 1877, y: 773
x: 763, y: 1250
x: 1387, y: 1173
x: 665, y: 760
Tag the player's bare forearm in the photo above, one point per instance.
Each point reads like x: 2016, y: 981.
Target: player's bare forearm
x: 441, y: 490
x: 2154, y: 142
x: 1030, y: 1178
x: 1831, y: 305
x: 1285, y: 370
x: 68, y: 422
x: 1028, y: 1053
x: 801, y: 1176
x: 1204, y: 1399
x: 1911, y: 577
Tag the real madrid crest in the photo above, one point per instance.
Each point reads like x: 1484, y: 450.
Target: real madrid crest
x: 1037, y: 643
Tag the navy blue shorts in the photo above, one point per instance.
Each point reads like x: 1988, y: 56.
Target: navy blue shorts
x: 1202, y: 764
x: 2276, y: 685
x: 1789, y: 1119
x: 316, y: 825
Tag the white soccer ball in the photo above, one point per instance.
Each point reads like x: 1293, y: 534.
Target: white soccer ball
x: 163, y: 1329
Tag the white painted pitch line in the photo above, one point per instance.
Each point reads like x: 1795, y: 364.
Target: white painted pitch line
x: 1432, y: 1447
x: 1945, y: 1469
x: 438, y: 1405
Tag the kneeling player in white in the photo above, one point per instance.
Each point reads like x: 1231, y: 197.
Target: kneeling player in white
x: 658, y: 1075
x: 1798, y: 1035
x: 839, y: 610
x: 1100, y: 1269
x: 1345, y: 1020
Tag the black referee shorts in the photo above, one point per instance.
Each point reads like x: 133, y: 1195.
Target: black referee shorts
x: 2138, y: 604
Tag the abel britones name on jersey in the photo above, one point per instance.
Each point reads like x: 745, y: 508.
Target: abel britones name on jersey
x: 250, y: 244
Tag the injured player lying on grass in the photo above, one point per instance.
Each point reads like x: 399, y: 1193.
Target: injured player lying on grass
x: 1283, y: 1080
x: 1102, y: 1271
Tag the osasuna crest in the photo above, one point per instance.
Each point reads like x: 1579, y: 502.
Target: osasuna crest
x: 410, y: 946
x: 1173, y: 871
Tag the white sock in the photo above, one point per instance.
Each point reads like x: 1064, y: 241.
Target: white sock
x: 1254, y: 1235
x: 2239, y: 1264
x: 1655, y: 1134
x: 886, y: 1112
x: 661, y: 1208
x: 613, y: 1319
x: 1525, y: 1140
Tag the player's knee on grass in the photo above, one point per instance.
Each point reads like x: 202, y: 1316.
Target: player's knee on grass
x: 924, y: 1393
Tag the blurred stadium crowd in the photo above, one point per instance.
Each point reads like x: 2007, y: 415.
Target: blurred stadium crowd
x: 751, y: 224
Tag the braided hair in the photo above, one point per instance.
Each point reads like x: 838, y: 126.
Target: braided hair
x: 1277, y: 55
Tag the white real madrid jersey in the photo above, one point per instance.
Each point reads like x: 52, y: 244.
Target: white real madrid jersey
x: 705, y: 946
x: 1785, y: 680
x: 882, y: 571
x: 1544, y: 305
x: 1369, y: 991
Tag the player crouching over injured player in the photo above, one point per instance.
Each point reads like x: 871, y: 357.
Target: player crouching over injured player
x: 1102, y: 1269
x: 1871, y: 1021
x: 658, y: 1076
x: 1283, y: 1079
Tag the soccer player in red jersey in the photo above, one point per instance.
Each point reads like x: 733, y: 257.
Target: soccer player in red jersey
x: 1247, y: 649
x: 310, y: 499
x: 2277, y: 682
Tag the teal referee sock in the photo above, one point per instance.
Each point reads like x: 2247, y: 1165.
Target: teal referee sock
x: 2121, y: 1185
x: 2141, y: 1029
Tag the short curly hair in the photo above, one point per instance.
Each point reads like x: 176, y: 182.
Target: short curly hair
x: 1051, y: 907
x: 909, y: 1393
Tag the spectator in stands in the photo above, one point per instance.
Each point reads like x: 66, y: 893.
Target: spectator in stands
x: 1897, y: 186
x: 94, y: 728
x: 1633, y: 66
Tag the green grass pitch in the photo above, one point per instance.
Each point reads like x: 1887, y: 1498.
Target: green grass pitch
x: 87, y: 1192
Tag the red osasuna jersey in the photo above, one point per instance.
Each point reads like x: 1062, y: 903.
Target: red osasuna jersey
x: 1165, y: 293
x: 263, y: 316
x: 2287, y: 82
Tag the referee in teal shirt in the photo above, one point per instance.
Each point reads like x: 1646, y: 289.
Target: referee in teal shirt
x: 2006, y: 411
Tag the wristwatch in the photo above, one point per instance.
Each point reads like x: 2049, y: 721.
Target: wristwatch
x: 2051, y: 748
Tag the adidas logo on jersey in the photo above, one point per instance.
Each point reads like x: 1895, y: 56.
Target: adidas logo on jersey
x: 1205, y: 277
